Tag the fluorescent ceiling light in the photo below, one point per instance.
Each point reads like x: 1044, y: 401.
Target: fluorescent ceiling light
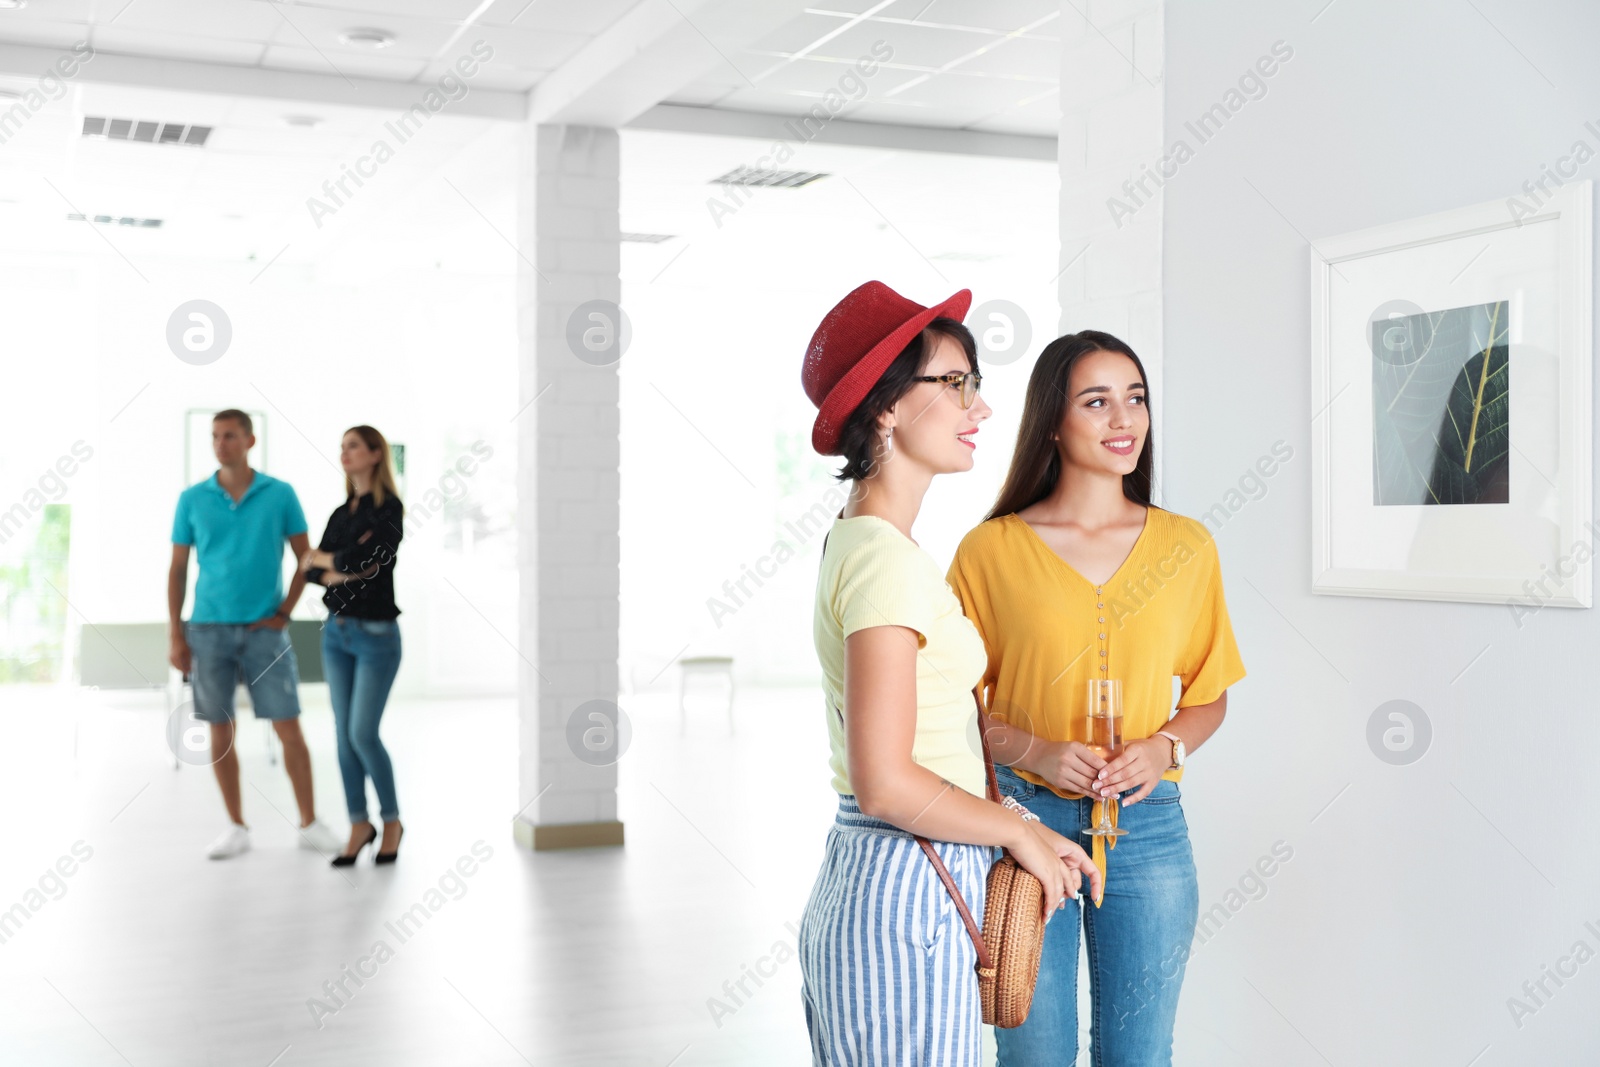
x: 365, y: 37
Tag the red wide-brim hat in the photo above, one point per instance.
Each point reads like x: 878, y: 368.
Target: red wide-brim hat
x: 855, y: 344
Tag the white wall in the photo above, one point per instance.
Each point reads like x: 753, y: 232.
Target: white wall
x: 1110, y: 258
x: 1425, y: 896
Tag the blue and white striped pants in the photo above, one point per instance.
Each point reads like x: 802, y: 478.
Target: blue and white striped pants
x: 887, y: 966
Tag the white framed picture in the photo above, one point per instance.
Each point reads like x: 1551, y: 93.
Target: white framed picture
x: 1452, y: 420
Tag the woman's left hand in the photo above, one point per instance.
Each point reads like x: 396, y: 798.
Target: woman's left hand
x: 317, y: 558
x: 1139, y: 766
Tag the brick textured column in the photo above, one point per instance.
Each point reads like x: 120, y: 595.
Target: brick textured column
x: 1111, y: 176
x: 567, y: 488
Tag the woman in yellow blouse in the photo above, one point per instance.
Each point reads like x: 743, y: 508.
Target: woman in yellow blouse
x: 1074, y: 576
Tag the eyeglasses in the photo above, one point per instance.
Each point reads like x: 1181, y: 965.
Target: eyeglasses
x: 969, y: 384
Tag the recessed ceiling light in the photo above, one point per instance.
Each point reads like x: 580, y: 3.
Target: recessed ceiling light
x: 116, y: 220
x: 304, y: 121
x: 782, y: 179
x: 367, y: 38
x: 150, y: 132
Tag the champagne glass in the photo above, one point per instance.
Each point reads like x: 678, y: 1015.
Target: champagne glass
x: 1104, y: 720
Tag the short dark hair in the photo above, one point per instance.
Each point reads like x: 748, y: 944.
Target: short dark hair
x: 858, y: 438
x: 237, y: 416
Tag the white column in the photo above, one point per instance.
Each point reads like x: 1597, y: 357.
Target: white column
x: 1110, y: 161
x: 568, y: 487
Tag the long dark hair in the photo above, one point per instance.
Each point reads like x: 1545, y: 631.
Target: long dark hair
x: 1035, y: 462
x: 858, y: 438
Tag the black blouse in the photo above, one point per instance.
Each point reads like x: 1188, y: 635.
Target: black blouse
x: 360, y: 541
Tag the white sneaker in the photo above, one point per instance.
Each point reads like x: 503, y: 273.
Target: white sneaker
x: 234, y: 840
x: 320, y: 839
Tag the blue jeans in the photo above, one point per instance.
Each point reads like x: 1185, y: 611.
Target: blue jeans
x: 1138, y: 938
x: 361, y: 658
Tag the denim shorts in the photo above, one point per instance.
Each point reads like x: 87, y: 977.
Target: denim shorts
x: 225, y: 654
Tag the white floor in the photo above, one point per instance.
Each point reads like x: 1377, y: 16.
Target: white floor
x: 149, y: 954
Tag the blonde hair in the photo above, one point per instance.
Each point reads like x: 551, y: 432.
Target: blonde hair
x: 383, y: 472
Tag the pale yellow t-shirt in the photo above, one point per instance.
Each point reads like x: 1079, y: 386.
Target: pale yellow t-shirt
x: 873, y: 575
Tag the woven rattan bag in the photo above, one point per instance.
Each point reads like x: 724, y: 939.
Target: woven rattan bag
x: 1012, y: 939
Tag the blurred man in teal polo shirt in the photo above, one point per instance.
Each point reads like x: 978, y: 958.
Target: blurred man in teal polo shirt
x: 237, y: 521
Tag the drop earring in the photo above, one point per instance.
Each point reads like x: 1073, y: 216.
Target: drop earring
x: 888, y: 441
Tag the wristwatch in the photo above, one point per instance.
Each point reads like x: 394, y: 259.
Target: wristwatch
x: 1177, y: 749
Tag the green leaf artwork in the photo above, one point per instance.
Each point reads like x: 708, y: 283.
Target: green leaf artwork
x: 1441, y: 407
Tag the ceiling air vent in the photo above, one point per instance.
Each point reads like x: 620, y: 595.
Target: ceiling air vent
x: 648, y: 238
x: 146, y: 131
x: 780, y: 179
x: 115, y: 220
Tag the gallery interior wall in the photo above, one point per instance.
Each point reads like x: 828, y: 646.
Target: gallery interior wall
x: 1418, y: 899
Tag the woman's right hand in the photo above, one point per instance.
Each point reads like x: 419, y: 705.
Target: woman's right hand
x: 1035, y: 856
x: 1070, y: 766
x: 1078, y: 862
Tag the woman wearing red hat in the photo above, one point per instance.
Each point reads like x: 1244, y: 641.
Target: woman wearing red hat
x: 1074, y: 578
x: 888, y: 969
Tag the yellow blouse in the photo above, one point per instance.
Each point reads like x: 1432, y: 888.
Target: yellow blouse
x: 1047, y: 629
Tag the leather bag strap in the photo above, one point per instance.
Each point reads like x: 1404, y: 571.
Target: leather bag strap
x: 985, y: 961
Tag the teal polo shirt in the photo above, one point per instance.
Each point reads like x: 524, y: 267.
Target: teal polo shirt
x: 239, y: 546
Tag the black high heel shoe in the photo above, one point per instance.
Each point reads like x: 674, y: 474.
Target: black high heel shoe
x: 390, y: 857
x: 350, y: 859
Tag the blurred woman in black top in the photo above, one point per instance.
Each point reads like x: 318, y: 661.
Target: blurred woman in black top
x: 361, y: 640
